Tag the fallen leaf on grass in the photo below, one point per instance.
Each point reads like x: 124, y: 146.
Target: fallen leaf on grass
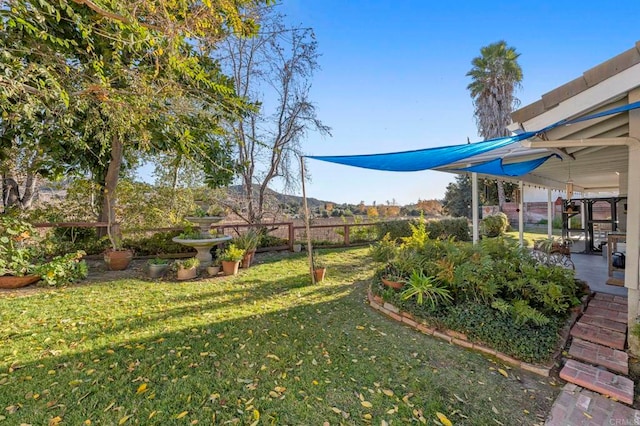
x: 123, y: 420
x: 142, y: 389
x: 443, y: 419
x: 181, y: 415
x: 504, y: 373
x: 387, y: 392
x: 272, y: 356
x: 366, y: 404
x: 55, y: 421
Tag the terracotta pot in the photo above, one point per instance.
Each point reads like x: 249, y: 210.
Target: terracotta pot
x: 187, y: 274
x: 230, y: 267
x: 9, y: 281
x: 247, y: 259
x: 393, y: 284
x: 318, y: 274
x: 118, y: 260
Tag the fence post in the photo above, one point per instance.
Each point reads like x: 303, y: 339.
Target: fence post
x: 291, y: 235
x: 346, y: 235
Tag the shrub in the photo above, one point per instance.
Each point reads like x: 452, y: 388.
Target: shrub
x: 63, y: 270
x: 494, y: 225
x: 158, y: 243
x: 494, y: 285
x: 446, y: 228
x: 384, y: 250
x: 422, y: 287
x: 396, y: 229
x: 481, y: 323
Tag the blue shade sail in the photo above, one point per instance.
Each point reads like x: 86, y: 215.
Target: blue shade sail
x: 432, y: 158
x: 423, y: 159
x: 497, y: 168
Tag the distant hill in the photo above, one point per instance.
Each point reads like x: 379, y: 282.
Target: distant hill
x: 283, y: 198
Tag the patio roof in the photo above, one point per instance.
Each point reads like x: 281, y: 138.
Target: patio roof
x: 595, y: 155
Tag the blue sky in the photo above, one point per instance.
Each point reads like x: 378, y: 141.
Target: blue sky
x: 392, y: 76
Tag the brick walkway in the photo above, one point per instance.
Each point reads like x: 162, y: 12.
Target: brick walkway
x: 596, y: 372
x: 576, y: 406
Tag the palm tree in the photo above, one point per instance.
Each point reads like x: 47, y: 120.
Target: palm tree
x: 495, y: 75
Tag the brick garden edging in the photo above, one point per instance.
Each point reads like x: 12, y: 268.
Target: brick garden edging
x: 461, y: 339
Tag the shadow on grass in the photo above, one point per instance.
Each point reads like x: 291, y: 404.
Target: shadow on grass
x: 295, y: 364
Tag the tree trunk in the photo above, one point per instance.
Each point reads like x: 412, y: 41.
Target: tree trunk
x: 107, y: 213
x: 29, y: 191
x: 10, y: 193
x: 501, y: 197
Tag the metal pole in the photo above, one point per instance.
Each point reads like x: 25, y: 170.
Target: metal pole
x: 474, y: 207
x: 306, y: 222
x: 549, y: 214
x: 521, y: 215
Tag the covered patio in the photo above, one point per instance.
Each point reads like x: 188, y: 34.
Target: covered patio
x: 582, y: 137
x: 597, y: 156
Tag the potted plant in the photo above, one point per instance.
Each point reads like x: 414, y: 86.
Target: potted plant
x: 247, y: 242
x: 319, y: 268
x: 230, y: 259
x: 157, y: 267
x: 17, y: 250
x: 116, y: 257
x: 392, y: 278
x: 188, y: 268
x: 214, y: 268
x: 21, y: 262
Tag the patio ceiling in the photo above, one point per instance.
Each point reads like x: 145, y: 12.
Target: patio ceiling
x: 597, y: 163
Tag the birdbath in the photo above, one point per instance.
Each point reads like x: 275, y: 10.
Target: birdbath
x: 203, y: 244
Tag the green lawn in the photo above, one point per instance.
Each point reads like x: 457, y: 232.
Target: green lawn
x: 261, y: 348
x: 532, y: 233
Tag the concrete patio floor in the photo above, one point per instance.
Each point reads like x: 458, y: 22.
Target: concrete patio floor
x: 594, y: 270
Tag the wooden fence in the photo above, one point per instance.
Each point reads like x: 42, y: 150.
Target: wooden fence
x: 326, y: 235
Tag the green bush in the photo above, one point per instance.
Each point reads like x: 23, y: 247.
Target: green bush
x: 557, y: 222
x: 384, y: 250
x: 63, y: 270
x: 494, y: 225
x: 443, y: 228
x: 158, y: 243
x: 497, y: 275
x: 446, y: 228
x: 498, y: 330
x: 396, y: 229
x: 66, y: 240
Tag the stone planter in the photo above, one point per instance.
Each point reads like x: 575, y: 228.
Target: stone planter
x: 213, y: 270
x: 157, y: 270
x: 187, y: 274
x: 297, y: 248
x: 230, y: 267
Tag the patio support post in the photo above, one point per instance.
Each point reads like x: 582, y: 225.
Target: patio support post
x: 549, y: 214
x: 521, y: 214
x: 631, y: 276
x: 474, y: 207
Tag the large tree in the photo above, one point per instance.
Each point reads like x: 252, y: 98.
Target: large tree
x: 495, y: 76
x: 117, y: 77
x: 273, y: 72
